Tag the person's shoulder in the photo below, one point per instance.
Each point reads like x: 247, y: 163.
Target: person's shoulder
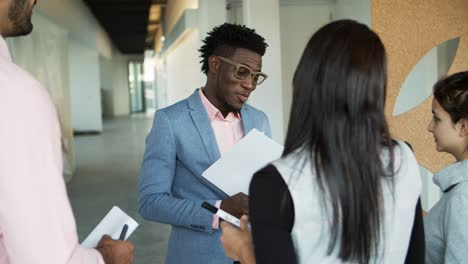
x: 26, y: 108
x: 404, y: 155
x: 459, y: 194
x: 174, y: 110
x: 456, y: 204
x: 252, y: 109
x: 405, y: 170
x: 14, y: 77
x: 21, y: 92
x: 267, y: 170
x: 266, y: 176
x: 255, y: 111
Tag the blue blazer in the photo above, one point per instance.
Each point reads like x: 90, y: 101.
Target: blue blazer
x: 180, y: 146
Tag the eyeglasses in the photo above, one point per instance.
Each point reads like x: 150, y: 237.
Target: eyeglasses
x: 243, y: 72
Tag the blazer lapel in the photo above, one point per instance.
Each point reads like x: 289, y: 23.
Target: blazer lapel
x: 247, y: 122
x: 202, y: 123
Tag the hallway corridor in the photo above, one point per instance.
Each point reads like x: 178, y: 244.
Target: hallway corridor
x: 108, y: 167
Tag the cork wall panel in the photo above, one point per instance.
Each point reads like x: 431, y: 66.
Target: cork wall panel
x: 410, y: 29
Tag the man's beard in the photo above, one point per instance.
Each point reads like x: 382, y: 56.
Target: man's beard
x: 20, y: 16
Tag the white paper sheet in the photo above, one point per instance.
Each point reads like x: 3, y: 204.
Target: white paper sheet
x: 234, y: 170
x: 111, y: 225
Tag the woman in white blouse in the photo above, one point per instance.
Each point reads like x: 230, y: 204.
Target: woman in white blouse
x: 343, y: 191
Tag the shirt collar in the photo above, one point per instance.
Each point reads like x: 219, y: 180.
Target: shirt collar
x: 4, y: 52
x: 213, y: 112
x: 452, y: 174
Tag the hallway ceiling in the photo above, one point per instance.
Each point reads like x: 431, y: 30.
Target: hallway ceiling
x: 126, y: 21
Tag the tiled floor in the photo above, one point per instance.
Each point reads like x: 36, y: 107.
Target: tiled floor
x: 108, y: 166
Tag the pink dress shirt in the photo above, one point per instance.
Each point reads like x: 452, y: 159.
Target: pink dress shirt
x: 228, y: 131
x: 36, y: 220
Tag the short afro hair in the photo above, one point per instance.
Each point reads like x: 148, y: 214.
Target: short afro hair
x: 231, y: 36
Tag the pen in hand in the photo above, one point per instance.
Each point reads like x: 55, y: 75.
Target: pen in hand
x: 124, y: 232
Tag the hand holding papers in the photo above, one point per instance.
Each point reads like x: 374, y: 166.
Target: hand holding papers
x: 111, y: 225
x: 234, y: 170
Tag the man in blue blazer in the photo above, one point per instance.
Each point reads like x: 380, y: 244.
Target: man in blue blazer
x: 189, y: 136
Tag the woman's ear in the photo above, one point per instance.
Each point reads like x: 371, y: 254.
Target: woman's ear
x: 463, y: 125
x: 213, y: 64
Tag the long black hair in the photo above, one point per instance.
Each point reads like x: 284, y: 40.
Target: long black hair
x: 337, y: 117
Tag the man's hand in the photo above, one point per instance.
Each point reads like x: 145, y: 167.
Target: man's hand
x: 115, y: 251
x: 236, y: 205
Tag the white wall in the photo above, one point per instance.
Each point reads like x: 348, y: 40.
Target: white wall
x: 306, y: 18
x: 359, y: 10
x: 430, y: 192
x: 106, y: 79
x: 85, y: 88
x: 234, y: 13
x: 75, y: 17
x: 264, y: 16
x: 120, y: 89
x: 211, y: 13
x: 115, y: 85
x: 160, y: 79
x: 183, y: 69
x: 178, y: 68
x: 120, y: 84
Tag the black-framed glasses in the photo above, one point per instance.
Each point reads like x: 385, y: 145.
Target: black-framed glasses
x: 243, y: 72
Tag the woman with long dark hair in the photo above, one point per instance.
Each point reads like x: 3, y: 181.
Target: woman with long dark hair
x: 343, y: 191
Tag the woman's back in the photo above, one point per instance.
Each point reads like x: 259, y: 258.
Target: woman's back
x: 353, y: 206
x: 311, y: 230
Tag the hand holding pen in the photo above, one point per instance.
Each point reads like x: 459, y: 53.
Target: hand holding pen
x: 116, y: 251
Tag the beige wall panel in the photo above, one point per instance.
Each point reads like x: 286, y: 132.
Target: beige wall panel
x: 409, y: 29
